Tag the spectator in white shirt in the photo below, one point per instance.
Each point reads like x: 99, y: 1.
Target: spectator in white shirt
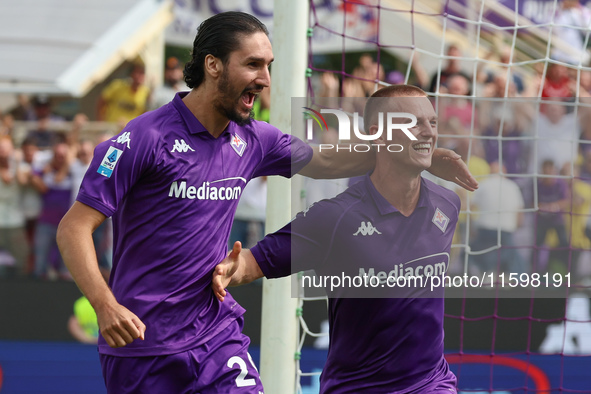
x: 498, y: 204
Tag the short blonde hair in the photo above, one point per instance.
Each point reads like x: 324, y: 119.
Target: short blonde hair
x: 376, y: 103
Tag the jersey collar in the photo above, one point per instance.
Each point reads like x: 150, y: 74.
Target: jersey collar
x: 384, y: 207
x: 193, y: 124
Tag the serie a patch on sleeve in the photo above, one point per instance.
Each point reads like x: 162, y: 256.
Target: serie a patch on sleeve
x: 109, y: 161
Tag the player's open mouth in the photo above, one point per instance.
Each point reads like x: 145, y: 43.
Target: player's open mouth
x: 248, y: 98
x: 423, y: 147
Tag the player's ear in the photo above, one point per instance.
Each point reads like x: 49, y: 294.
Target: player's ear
x: 373, y: 130
x: 213, y: 66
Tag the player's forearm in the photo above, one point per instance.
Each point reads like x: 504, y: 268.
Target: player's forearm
x: 248, y: 269
x: 333, y: 164
x: 439, y: 155
x: 77, y: 248
x: 448, y: 165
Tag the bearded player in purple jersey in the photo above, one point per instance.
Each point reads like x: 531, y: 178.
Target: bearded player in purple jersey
x: 171, y: 180
x: 392, y: 223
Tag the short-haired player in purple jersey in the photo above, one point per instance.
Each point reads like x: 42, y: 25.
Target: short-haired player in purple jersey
x: 391, y: 224
x: 171, y: 180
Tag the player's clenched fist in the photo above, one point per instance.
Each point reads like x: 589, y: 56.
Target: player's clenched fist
x: 118, y: 325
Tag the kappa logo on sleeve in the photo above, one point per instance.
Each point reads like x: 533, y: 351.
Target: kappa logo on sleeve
x: 440, y: 220
x: 109, y: 161
x: 238, y: 144
x: 124, y: 139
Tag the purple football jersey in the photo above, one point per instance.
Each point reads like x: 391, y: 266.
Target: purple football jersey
x: 172, y: 189
x: 377, y: 345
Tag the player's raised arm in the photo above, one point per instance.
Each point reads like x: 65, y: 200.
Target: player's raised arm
x: 330, y: 164
x: 118, y: 325
x: 448, y: 165
x: 238, y: 268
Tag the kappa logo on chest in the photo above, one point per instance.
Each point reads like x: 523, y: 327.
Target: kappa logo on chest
x: 367, y: 229
x: 181, y: 146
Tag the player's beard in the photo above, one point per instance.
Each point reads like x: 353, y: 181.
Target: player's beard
x: 227, y: 104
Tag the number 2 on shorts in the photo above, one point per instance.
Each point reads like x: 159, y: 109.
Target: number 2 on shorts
x: 240, y: 381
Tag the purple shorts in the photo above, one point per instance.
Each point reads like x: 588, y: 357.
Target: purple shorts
x: 443, y: 388
x: 221, y: 365
x: 440, y: 381
x: 445, y: 382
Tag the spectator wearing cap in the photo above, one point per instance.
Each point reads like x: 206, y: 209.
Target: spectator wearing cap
x: 44, y: 134
x: 124, y: 99
x: 173, y: 83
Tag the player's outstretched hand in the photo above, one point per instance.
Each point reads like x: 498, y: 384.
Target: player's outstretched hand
x: 222, y: 274
x: 449, y: 165
x: 119, y: 326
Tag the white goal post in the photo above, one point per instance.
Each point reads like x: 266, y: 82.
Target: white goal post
x: 279, y: 325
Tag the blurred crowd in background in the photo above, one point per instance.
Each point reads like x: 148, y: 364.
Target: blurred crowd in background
x: 524, y: 132
x: 43, y: 159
